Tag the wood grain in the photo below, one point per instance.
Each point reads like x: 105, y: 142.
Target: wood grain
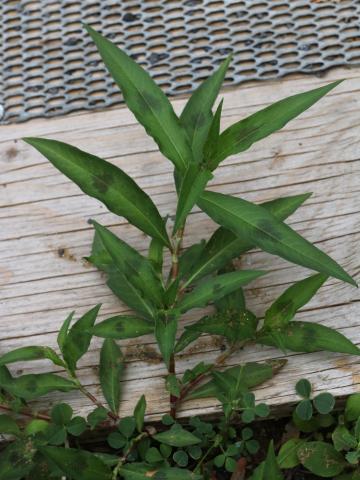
x: 44, y: 235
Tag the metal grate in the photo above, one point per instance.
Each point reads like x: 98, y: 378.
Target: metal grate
x: 50, y: 67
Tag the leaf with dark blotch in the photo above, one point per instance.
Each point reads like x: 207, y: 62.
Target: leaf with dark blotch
x: 34, y: 386
x: 197, y: 115
x: 77, y: 464
x: 147, y: 101
x: 111, y: 368
x: 253, y: 374
x: 224, y: 245
x: 16, y: 460
x: 216, y: 287
x: 261, y: 228
x: 165, y: 334
x: 235, y: 327
x: 212, y: 139
x: 294, y: 297
x: 137, y: 269
x: 78, y: 339
x: 106, y: 182
x: 186, y: 338
x: 31, y: 353
x: 123, y: 326
x: 241, y: 135
x: 308, y: 337
x: 64, y: 331
x: 192, y: 185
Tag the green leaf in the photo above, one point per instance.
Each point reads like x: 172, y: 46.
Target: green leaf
x: 257, y: 225
x: 155, y: 255
x: 16, y: 460
x: 116, y: 440
x: 31, y: 353
x: 139, y: 413
x: 235, y: 327
x: 177, y: 436
x: 128, y: 262
x: 213, y: 136
x: 127, y: 426
x: 253, y: 374
x: 33, y: 386
x: 165, y: 334
x: 303, y: 388
x: 197, y: 115
x: 287, y: 457
x: 192, y: 186
x: 304, y: 409
x: 324, y: 403
x: 172, y: 385
x: 189, y: 257
x: 110, y: 372
x: 295, y: 297
x: 186, y: 338
x: 36, y: 426
x: 8, y: 426
x: 123, y: 326
x: 224, y: 245
x: 105, y: 182
x: 77, y: 464
x: 64, y: 331
x: 241, y: 135
x: 308, y: 337
x: 181, y: 458
x: 76, y: 426
x: 147, y: 102
x: 269, y: 469
x: 136, y: 471
x: 216, y: 288
x: 78, y: 339
x: 321, y: 459
x: 61, y: 414
x: 97, y: 416
x: 352, y: 407
x: 342, y: 438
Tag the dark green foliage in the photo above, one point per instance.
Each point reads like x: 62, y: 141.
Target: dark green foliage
x: 204, y: 274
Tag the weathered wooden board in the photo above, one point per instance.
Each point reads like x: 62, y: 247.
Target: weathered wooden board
x: 44, y: 234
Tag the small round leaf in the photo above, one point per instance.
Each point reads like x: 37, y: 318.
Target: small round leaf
x: 324, y: 403
x: 304, y: 410
x: 303, y: 388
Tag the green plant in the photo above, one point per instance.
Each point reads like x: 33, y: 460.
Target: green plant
x: 202, y: 274
x: 329, y: 445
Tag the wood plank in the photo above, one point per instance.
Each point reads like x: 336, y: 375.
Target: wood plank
x: 44, y: 235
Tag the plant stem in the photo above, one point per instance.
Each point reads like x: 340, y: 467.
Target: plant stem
x: 27, y: 413
x: 123, y: 459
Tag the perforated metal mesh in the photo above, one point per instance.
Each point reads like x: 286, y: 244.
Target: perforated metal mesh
x: 50, y: 67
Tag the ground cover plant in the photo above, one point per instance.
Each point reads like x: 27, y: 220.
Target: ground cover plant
x: 49, y: 446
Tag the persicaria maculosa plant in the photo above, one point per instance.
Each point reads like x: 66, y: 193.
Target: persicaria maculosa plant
x: 203, y: 273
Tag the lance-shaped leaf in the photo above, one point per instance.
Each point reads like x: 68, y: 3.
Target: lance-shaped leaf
x: 177, y: 436
x: 308, y: 337
x: 156, y: 254
x: 34, y: 386
x: 106, y: 182
x: 189, y: 257
x: 147, y: 101
x: 269, y: 469
x: 197, y: 115
x: 186, y: 338
x: 77, y: 464
x: 236, y: 326
x: 260, y: 227
x: 295, y: 297
x: 241, y: 135
x: 224, y: 245
x: 192, y: 186
x: 216, y: 287
x: 64, y: 331
x: 110, y: 372
x: 165, y: 334
x: 118, y: 283
x: 253, y: 374
x: 123, y: 326
x: 78, y: 339
x: 137, y: 269
x: 31, y: 353
x: 139, y: 413
x: 213, y: 135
